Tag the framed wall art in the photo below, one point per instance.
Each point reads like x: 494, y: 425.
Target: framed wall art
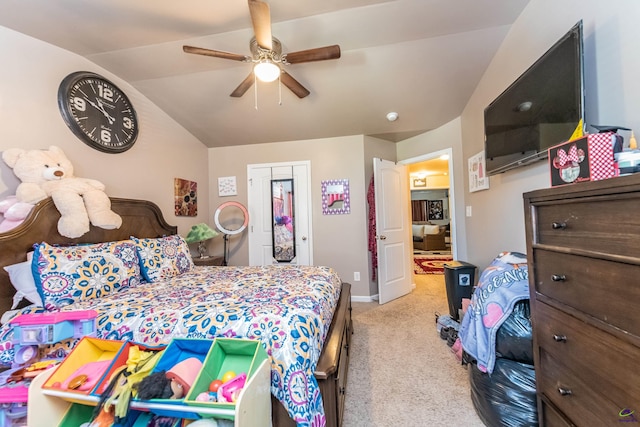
x: 335, y: 197
x: 419, y: 183
x: 227, y: 186
x: 435, y: 210
x: 185, y: 197
x: 478, y: 178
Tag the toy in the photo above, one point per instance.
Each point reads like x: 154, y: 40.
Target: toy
x: 13, y: 213
x: 227, y: 376
x: 215, y: 385
x: 80, y: 201
x: 230, y: 390
x: 172, y: 384
x: 31, y: 330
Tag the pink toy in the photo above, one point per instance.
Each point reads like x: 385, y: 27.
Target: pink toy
x: 230, y: 391
x: 185, y: 373
x: 13, y: 213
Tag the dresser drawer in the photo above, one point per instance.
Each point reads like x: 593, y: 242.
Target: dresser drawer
x: 606, y: 224
x: 585, y: 406
x: 552, y: 418
x: 606, y: 290
x: 599, y: 369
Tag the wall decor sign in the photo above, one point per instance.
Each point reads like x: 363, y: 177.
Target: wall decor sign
x: 186, y: 197
x: 335, y: 197
x: 435, y: 210
x: 227, y: 186
x: 478, y: 178
x: 419, y: 182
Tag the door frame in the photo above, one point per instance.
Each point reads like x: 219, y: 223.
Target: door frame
x: 308, y: 201
x: 452, y: 192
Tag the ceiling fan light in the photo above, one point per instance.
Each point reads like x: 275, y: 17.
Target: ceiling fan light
x: 266, y: 71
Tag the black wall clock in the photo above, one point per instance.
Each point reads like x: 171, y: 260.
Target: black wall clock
x: 98, y: 112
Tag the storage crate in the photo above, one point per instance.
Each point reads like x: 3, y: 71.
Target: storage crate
x: 89, y: 350
x: 178, y: 350
x: 227, y: 354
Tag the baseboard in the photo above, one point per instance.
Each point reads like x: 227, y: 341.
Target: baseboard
x: 375, y: 297
x: 371, y: 298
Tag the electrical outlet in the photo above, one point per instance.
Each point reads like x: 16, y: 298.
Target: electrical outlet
x: 356, y: 276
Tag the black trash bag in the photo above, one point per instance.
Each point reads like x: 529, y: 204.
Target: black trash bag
x: 514, y: 338
x: 507, y: 397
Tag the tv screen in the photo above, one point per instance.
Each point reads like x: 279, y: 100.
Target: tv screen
x: 542, y: 108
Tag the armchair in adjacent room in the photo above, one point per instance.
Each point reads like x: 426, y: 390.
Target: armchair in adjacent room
x: 429, y: 237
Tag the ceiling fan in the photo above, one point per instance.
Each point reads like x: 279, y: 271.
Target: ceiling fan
x: 266, y: 54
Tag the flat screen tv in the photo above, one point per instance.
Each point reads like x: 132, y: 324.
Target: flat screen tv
x: 542, y: 108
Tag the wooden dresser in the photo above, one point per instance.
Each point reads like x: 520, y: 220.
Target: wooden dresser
x: 583, y: 249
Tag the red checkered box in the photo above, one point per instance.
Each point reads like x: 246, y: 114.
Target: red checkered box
x: 589, y: 158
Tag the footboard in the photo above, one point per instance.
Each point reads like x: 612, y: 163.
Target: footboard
x: 332, y: 368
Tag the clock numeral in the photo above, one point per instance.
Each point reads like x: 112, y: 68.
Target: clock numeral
x: 127, y: 123
x: 105, y: 136
x: 105, y: 93
x: 79, y: 104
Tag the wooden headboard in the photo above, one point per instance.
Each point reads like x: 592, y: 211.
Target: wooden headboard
x: 140, y: 218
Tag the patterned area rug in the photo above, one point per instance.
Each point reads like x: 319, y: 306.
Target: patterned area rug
x: 430, y: 264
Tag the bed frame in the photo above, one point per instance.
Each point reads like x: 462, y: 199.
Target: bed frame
x: 144, y: 219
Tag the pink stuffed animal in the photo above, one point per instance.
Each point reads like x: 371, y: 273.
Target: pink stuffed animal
x: 13, y: 213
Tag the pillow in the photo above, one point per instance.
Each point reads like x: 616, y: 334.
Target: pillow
x: 418, y: 230
x: 163, y: 257
x: 66, y: 274
x: 22, y: 280
x: 431, y: 229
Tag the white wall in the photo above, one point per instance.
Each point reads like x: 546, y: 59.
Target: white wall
x: 447, y: 136
x: 30, y: 74
x: 339, y: 241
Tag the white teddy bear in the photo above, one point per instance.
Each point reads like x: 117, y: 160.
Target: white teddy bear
x: 47, y: 173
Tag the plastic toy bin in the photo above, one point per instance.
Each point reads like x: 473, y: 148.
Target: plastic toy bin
x: 89, y: 350
x: 227, y: 354
x: 459, y: 277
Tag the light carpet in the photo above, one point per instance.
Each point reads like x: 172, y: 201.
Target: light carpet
x: 430, y: 264
x: 400, y: 372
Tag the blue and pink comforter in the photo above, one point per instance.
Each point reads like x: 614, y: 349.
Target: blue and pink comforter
x: 288, y: 308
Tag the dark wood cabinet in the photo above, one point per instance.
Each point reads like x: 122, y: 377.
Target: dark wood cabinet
x: 583, y: 249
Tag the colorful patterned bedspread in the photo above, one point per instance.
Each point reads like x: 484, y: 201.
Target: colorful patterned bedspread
x: 289, y: 308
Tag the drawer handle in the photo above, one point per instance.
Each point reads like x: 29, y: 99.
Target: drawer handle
x: 564, y: 391
x: 558, y: 225
x: 560, y: 338
x: 558, y: 277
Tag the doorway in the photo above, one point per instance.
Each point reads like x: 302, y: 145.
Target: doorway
x: 431, y: 177
x: 279, y: 204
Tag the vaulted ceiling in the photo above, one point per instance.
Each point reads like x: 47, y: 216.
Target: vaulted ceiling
x: 419, y: 58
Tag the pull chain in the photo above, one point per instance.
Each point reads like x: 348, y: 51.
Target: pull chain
x: 255, y: 90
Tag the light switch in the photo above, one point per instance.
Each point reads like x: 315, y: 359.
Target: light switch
x: 469, y: 211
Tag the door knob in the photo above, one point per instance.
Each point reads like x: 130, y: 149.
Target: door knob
x: 382, y: 237
x: 304, y: 238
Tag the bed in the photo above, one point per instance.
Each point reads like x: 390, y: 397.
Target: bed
x: 313, y: 365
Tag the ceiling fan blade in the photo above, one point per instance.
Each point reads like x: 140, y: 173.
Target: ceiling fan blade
x: 293, y: 85
x: 216, y: 53
x: 261, y: 20
x: 311, y: 55
x: 243, y: 87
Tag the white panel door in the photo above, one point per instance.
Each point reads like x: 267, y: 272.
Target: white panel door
x: 259, y: 206
x: 393, y: 231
